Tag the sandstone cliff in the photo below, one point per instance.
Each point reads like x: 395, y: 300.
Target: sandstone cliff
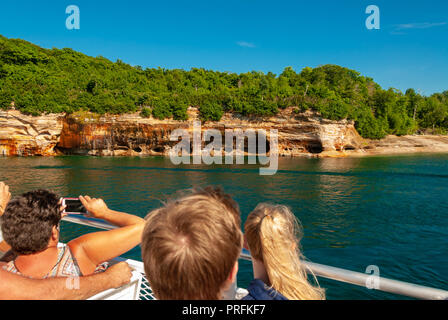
x: 22, y: 135
x: 130, y: 134
x: 304, y: 134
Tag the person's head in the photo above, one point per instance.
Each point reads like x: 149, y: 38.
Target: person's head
x: 190, y: 247
x: 273, y: 234
x: 218, y: 193
x: 31, y: 221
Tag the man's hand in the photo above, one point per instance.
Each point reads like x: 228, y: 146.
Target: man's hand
x: 96, y: 207
x: 120, y: 274
x: 5, y: 196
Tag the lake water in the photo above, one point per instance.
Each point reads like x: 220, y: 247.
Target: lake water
x: 391, y: 212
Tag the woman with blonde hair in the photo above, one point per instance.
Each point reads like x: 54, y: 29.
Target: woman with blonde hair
x: 272, y: 235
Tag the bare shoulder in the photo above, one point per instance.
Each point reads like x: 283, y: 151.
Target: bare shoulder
x: 84, y: 263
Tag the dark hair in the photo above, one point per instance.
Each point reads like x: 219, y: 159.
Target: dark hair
x: 28, y: 221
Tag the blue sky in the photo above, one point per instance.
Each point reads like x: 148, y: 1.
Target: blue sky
x: 410, y: 49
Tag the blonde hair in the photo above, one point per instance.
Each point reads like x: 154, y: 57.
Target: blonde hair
x: 273, y: 235
x: 190, y: 247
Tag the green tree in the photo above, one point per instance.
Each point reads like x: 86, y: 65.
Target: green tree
x: 40, y: 81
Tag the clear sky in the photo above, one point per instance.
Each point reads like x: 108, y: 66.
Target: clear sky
x: 409, y: 50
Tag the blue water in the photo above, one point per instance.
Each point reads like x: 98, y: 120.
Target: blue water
x: 391, y: 212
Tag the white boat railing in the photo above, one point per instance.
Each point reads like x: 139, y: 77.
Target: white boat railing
x: 130, y: 291
x: 320, y: 270
x: 137, y: 289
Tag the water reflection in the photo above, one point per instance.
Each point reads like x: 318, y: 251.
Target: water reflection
x: 338, y: 165
x: 20, y: 175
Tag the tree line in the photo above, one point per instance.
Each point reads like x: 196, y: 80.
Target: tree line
x: 36, y: 80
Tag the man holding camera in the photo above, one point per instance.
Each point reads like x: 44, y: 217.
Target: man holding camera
x: 16, y: 287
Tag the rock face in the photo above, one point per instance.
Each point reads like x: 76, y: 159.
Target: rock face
x: 22, y: 135
x: 115, y: 136
x: 304, y: 134
x: 407, y: 144
x: 130, y: 134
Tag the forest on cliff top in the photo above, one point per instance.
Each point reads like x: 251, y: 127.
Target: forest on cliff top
x: 35, y: 80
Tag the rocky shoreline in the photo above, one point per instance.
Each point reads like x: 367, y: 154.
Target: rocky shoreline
x: 304, y: 134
